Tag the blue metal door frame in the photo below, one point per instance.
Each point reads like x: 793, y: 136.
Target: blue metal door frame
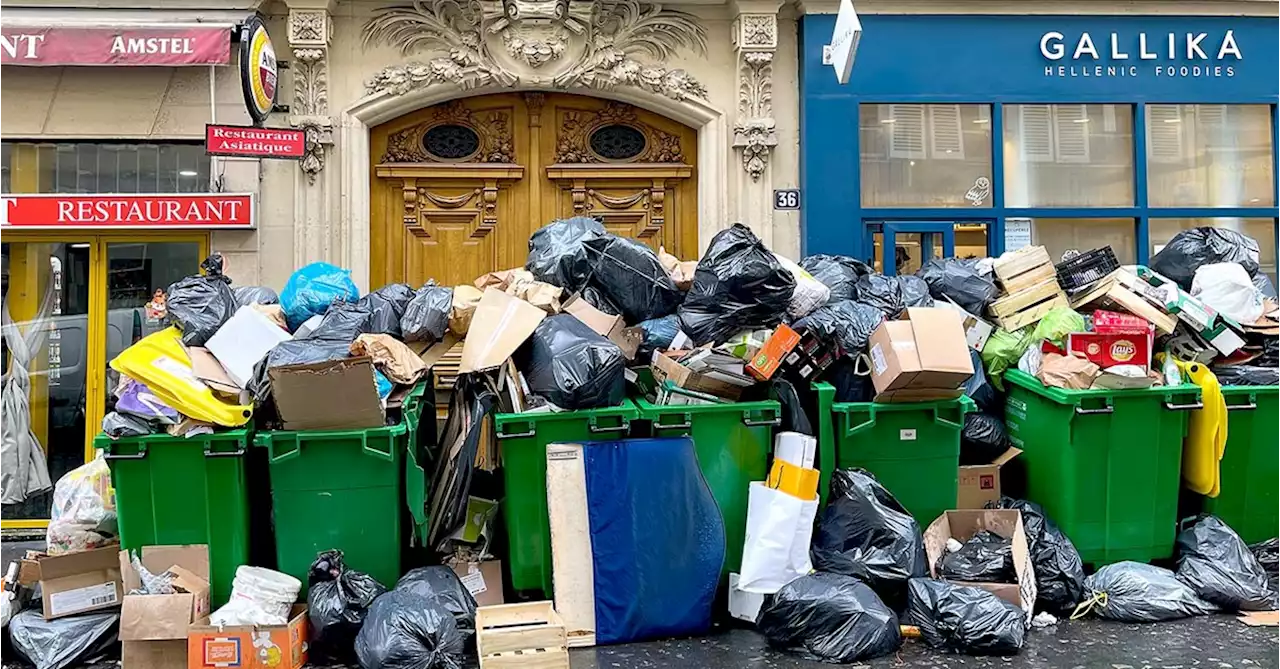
x: 890, y: 230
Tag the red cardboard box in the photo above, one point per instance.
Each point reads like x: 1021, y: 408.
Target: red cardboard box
x: 1113, y: 322
x: 1108, y: 350
x: 770, y: 356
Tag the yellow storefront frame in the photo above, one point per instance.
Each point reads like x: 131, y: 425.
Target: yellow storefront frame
x: 96, y: 347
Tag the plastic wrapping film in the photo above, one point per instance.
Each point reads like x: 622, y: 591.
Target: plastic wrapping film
x: 653, y: 520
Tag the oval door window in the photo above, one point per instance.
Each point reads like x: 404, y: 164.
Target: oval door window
x: 617, y: 142
x: 451, y: 142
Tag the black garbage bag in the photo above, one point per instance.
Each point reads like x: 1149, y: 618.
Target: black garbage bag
x: 838, y: 273
x: 1268, y: 555
x: 986, y: 557
x: 294, y: 352
x: 65, y: 642
x: 983, y: 439
x: 247, y: 295
x: 596, y: 298
x: 442, y: 586
x: 865, y: 533
x: 847, y: 324
x: 557, y: 254
x: 1270, y: 353
x: 199, y: 305
x: 338, y: 599
x: 915, y: 291
x: 1142, y: 593
x: 1216, y: 564
x: 1262, y: 281
x: 344, y: 321
x: 881, y: 292
x: 386, y: 306
x: 851, y: 380
x: 658, y: 335
x: 831, y: 618
x: 405, y: 630
x: 426, y: 316
x: 1189, y: 249
x: 960, y: 281
x: 573, y: 366
x: 1059, y: 571
x: 964, y: 619
x: 632, y: 276
x: 1247, y: 375
x: 738, y: 286
x: 978, y: 387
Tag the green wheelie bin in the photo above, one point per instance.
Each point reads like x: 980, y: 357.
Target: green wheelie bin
x: 1250, y: 466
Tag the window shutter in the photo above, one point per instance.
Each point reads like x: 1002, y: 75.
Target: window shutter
x: 946, y: 135
x: 1036, y: 129
x: 1164, y: 133
x: 906, y: 139
x: 1071, y: 125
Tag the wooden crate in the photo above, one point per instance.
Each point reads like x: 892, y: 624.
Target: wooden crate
x: 521, y: 636
x: 1029, y: 305
x: 1025, y: 268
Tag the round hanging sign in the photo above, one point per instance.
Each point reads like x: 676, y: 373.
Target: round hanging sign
x: 258, y: 69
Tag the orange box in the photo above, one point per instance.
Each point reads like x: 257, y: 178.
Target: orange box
x: 767, y: 360
x: 249, y: 647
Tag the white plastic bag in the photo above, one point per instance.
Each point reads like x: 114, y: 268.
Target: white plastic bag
x: 1226, y: 287
x: 83, y: 515
x: 809, y: 293
x: 779, y: 529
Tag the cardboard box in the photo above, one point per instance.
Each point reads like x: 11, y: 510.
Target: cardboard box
x: 614, y: 328
x: 249, y: 647
x: 153, y: 628
x: 333, y: 395
x: 809, y: 359
x: 666, y: 367
x: 76, y: 582
x: 798, y: 449
x: 980, y: 484
x: 669, y: 394
x: 482, y: 579
x: 500, y: 325
x: 769, y: 358
x: 961, y: 525
x: 922, y: 357
x: 244, y: 340
x: 976, y: 330
x: 1108, y: 350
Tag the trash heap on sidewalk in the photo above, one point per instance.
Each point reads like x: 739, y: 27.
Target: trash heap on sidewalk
x: 632, y: 417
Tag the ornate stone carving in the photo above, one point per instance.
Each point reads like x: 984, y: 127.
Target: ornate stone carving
x: 755, y: 133
x: 534, y: 102
x: 309, y: 27
x: 560, y: 43
x: 310, y: 82
x: 492, y: 127
x: 574, y: 136
x: 309, y: 33
x: 319, y: 135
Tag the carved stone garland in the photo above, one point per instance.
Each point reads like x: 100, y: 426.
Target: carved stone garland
x: 309, y: 34
x: 755, y: 133
x: 576, y: 128
x: 564, y: 44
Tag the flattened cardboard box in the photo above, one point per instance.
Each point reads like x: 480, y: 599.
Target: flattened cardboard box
x: 78, y: 582
x: 665, y: 367
x: 334, y: 395
x: 961, y: 525
x: 249, y: 647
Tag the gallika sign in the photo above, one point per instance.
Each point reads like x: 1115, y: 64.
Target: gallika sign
x: 1174, y: 54
x: 151, y: 212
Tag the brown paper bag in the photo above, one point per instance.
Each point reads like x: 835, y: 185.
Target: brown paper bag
x: 1068, y: 372
x: 681, y: 271
x: 391, y: 356
x: 465, y: 299
x: 500, y: 280
x: 541, y: 295
x: 273, y: 311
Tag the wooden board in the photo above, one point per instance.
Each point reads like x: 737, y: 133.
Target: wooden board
x: 572, y: 561
x: 1041, y: 292
x: 1110, y: 294
x: 1032, y: 314
x: 1024, y: 268
x: 530, y: 634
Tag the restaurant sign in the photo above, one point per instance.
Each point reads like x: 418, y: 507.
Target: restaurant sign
x: 196, y: 211
x: 152, y: 45
x: 246, y: 141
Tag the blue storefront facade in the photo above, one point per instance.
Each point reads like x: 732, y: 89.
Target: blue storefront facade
x: 970, y: 135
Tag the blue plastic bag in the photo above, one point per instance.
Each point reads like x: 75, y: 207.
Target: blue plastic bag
x: 311, y: 290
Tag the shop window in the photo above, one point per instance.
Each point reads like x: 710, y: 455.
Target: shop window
x: 1209, y: 156
x: 925, y: 155
x: 99, y: 167
x: 1070, y: 155
x: 1059, y: 235
x: 1161, y: 230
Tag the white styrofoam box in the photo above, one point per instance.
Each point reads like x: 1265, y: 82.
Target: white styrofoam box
x: 243, y: 340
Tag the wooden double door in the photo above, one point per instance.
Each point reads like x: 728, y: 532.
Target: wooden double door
x: 458, y: 188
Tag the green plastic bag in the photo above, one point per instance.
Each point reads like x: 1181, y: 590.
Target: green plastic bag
x: 1002, y: 351
x: 1056, y: 325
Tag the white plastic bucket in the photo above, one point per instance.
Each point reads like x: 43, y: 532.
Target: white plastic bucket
x: 258, y: 597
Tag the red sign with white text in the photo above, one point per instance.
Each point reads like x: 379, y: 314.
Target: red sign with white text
x: 106, y: 45
x: 152, y: 212
x: 250, y: 142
